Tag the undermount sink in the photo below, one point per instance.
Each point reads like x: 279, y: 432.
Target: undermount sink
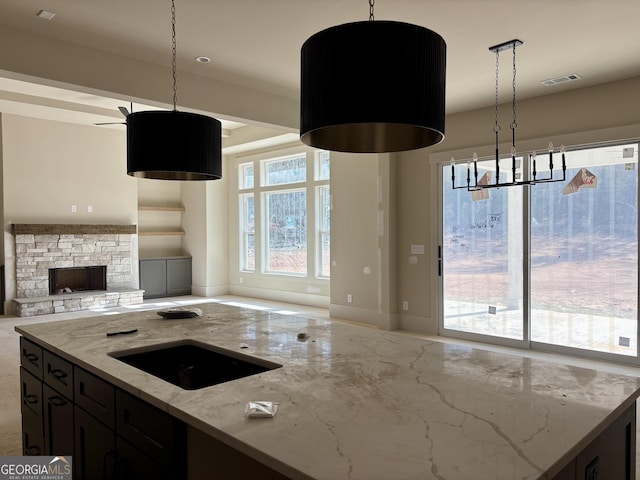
x: 191, y: 365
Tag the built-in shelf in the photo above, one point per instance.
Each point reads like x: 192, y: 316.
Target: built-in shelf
x: 160, y: 208
x: 165, y: 233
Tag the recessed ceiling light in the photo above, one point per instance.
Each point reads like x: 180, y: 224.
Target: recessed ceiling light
x: 572, y: 77
x: 45, y: 14
x: 202, y: 59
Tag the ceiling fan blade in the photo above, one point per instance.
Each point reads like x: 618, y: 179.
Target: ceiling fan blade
x: 110, y: 123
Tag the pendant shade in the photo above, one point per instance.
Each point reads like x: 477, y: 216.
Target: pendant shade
x: 172, y: 145
x: 373, y: 87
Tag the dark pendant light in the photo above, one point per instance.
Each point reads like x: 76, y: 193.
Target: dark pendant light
x: 172, y: 145
x: 373, y: 87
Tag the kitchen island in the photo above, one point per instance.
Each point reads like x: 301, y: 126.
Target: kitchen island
x: 359, y: 403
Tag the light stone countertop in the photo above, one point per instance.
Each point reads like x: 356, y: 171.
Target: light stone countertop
x: 360, y: 403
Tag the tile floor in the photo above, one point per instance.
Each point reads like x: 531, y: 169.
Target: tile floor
x: 10, y: 428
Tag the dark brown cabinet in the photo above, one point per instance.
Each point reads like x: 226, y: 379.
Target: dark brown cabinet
x: 95, y: 454
x: 58, y: 423
x: 110, y: 433
x: 31, y: 396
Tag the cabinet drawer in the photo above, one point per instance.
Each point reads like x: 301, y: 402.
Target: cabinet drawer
x: 31, y: 356
x: 31, y: 393
x: 58, y: 373
x: 133, y: 464
x: 95, y: 396
x: 154, y: 432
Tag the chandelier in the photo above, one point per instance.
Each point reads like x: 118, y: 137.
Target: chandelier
x: 173, y: 145
x: 373, y: 86
x: 517, y: 178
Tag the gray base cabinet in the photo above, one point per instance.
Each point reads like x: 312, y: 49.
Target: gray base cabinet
x: 165, y: 276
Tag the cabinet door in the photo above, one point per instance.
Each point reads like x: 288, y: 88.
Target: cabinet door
x: 153, y: 278
x: 32, y: 438
x: 31, y: 393
x: 95, y: 454
x: 179, y: 276
x: 58, y: 423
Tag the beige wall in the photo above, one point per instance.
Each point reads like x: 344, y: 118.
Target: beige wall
x: 606, y: 112
x: 50, y: 166
x: 354, y: 236
x: 205, y: 222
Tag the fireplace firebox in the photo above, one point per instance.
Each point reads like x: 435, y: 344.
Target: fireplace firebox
x: 77, y: 279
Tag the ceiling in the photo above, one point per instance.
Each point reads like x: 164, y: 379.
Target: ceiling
x: 256, y: 43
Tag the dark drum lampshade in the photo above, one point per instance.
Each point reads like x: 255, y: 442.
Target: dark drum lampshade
x: 372, y: 87
x: 172, y: 145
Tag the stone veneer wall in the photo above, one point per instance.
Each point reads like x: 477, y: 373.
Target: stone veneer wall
x: 39, y: 247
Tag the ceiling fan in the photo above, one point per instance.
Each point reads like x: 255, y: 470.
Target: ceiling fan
x: 124, y: 112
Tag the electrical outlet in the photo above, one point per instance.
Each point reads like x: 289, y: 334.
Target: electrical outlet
x: 89, y: 208
x: 492, y: 310
x: 405, y: 305
x: 74, y: 208
x: 349, y: 298
x: 623, y: 341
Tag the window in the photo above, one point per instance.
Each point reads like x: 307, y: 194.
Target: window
x: 287, y: 233
x: 284, y: 215
x: 247, y: 233
x: 324, y: 230
x: 285, y: 170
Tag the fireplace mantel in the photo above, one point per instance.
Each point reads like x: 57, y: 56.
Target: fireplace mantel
x: 71, y: 229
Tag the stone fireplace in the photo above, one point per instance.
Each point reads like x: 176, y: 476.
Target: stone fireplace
x: 63, y: 267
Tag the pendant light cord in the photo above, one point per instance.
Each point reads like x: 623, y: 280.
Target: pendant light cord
x: 514, y: 124
x: 173, y: 55
x: 371, y: 5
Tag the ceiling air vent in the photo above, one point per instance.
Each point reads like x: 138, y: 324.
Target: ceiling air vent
x: 572, y: 77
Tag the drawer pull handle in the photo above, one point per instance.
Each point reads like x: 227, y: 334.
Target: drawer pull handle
x: 58, y: 374
x: 33, y: 450
x: 32, y: 357
x: 57, y: 401
x: 30, y: 399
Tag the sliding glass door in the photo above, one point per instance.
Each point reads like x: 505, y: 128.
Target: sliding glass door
x: 584, y: 254
x: 552, y: 266
x: 482, y: 259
